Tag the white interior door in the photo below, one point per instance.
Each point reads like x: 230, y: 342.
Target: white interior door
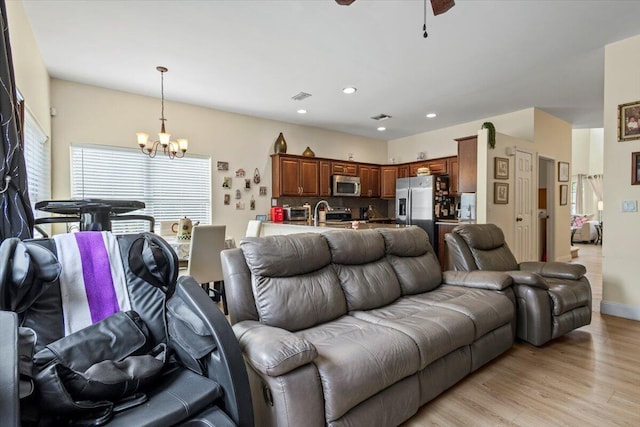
x: 524, y: 207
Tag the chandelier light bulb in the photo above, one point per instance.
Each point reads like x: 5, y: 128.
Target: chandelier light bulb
x: 143, y: 138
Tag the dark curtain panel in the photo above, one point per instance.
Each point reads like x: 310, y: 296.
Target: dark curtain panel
x: 17, y: 217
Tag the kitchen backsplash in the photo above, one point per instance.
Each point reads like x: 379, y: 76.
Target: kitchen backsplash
x: 381, y: 206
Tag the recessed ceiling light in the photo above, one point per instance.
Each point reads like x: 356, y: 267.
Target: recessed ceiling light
x: 349, y: 90
x: 382, y: 128
x: 431, y: 115
x: 302, y: 111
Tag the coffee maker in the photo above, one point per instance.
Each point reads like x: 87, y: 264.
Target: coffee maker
x: 364, y: 213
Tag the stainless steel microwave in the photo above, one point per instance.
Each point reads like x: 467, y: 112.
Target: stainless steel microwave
x: 345, y: 186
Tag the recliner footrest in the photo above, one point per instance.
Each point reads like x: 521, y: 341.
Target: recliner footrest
x: 178, y: 396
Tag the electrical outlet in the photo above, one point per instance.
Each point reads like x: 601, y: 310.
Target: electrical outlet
x: 629, y: 206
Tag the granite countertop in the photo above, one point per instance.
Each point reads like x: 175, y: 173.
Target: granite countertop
x: 362, y: 225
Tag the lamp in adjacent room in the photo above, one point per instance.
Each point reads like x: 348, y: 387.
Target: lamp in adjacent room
x: 600, y: 209
x: 170, y: 148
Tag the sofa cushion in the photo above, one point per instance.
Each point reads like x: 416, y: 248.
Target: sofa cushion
x: 294, y: 284
x: 280, y: 256
x: 436, y: 331
x: 366, y: 277
x: 488, y: 247
x: 368, y: 286
x: 357, y: 359
x: 412, y: 258
x: 487, y: 310
x: 354, y: 247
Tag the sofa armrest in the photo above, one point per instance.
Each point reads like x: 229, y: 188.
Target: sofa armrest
x: 9, y: 385
x: 273, y: 351
x: 492, y: 280
x: 528, y: 278
x: 556, y: 270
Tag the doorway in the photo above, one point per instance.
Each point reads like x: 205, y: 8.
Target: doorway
x: 524, y: 207
x: 546, y: 197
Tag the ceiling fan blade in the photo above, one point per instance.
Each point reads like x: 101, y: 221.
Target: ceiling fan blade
x: 441, y: 6
x: 344, y: 2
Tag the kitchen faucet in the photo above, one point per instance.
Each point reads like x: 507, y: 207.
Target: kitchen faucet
x: 315, y: 211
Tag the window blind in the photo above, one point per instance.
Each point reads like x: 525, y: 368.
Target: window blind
x: 36, y: 155
x: 170, y: 189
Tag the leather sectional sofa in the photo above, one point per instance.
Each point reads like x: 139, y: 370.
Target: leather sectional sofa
x: 359, y: 328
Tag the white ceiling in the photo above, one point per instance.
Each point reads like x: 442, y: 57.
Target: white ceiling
x: 482, y: 58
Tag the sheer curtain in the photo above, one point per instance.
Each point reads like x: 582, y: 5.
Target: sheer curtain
x: 579, y: 194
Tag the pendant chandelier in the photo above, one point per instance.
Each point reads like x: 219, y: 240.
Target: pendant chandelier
x: 170, y: 148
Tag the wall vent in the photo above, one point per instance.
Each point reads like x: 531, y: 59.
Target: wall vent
x: 300, y: 96
x: 381, y: 117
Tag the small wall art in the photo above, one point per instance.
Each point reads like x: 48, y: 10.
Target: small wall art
x: 240, y: 205
x: 239, y: 173
x: 500, y: 193
x: 228, y: 181
x: 501, y: 168
x: 247, y: 183
x: 263, y: 191
x: 564, y: 189
x: 563, y: 172
x: 635, y: 168
x: 223, y: 166
x: 252, y: 204
x: 629, y: 121
x: 238, y: 194
x: 227, y: 199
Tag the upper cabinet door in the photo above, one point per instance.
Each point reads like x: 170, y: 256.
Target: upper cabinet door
x: 344, y: 168
x: 388, y: 176
x: 309, y: 182
x: 289, y: 177
x: 467, y: 164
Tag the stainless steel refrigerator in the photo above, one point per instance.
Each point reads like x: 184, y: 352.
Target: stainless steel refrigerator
x: 414, y: 203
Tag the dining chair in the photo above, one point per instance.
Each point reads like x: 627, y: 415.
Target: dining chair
x: 207, y: 241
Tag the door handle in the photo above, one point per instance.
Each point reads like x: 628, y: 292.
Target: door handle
x: 519, y: 218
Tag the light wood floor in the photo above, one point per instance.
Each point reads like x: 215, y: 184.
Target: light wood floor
x: 589, y: 377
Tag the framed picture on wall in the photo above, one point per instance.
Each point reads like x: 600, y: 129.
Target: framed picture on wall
x: 564, y: 189
x: 629, y: 121
x: 501, y: 168
x: 563, y: 171
x: 500, y: 193
x: 635, y: 168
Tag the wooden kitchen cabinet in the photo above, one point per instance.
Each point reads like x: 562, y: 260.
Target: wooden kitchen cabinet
x: 467, y: 164
x: 438, y: 166
x: 294, y: 176
x: 369, y: 180
x: 324, y: 178
x: 388, y: 176
x: 403, y: 171
x: 413, y: 167
x: 453, y: 175
x: 344, y: 168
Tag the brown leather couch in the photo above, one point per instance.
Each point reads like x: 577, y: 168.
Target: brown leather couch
x: 553, y: 298
x: 360, y: 327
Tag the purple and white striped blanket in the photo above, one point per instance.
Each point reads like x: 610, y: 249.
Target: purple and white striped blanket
x: 92, y: 282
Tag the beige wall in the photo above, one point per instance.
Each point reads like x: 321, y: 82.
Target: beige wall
x: 440, y: 143
x: 586, y: 156
x: 32, y: 78
x: 621, y: 264
x: 88, y: 114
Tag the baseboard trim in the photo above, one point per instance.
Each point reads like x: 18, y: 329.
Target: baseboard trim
x: 620, y: 310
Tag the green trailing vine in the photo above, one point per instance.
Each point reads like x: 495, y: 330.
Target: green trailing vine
x: 492, y: 133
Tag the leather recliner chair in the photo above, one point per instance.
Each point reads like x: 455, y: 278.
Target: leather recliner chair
x: 553, y: 298
x: 160, y: 353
